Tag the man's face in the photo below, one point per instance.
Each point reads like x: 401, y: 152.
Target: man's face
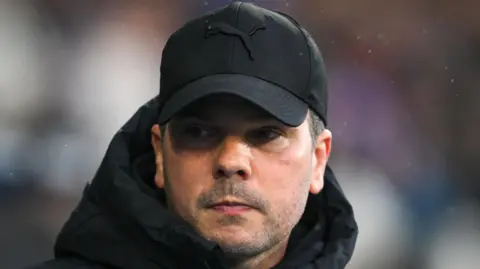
x: 238, y: 175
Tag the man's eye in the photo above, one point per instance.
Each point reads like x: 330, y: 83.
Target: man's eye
x: 194, y: 136
x: 264, y: 135
x: 198, y: 132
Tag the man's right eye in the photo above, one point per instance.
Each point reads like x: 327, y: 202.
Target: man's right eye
x: 198, y: 132
x: 194, y: 136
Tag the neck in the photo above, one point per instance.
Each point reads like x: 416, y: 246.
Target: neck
x: 265, y: 260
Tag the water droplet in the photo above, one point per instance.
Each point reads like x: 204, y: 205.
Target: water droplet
x: 359, y: 37
x: 301, y: 54
x: 456, y: 95
x: 333, y: 41
x: 287, y: 4
x: 65, y: 145
x: 393, y: 81
x: 380, y: 36
x: 206, y: 3
x: 345, y: 124
x: 446, y: 67
x: 369, y: 51
x: 452, y: 80
x: 11, y: 174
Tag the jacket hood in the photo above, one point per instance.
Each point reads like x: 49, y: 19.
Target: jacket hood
x: 122, y: 222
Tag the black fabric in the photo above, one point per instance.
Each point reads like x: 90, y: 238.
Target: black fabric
x: 247, y: 40
x: 121, y: 221
x: 288, y: 108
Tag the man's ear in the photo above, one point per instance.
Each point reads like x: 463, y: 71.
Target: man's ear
x: 321, y: 153
x: 157, y: 149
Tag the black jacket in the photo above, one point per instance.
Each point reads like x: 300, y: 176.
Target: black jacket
x: 121, y: 221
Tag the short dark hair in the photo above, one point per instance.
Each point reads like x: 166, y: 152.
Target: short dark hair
x: 315, y: 123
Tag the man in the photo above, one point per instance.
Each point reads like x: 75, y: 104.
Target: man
x: 238, y: 174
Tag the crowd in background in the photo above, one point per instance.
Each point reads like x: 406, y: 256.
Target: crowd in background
x: 404, y: 84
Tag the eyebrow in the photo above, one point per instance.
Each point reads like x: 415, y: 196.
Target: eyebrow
x: 254, y: 124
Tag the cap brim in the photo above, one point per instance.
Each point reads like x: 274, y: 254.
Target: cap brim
x: 277, y: 101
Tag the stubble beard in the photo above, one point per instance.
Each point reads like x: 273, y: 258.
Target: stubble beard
x: 261, y: 242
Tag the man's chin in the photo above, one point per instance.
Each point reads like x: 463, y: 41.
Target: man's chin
x: 219, y: 225
x: 235, y: 240
x: 228, y: 233
x: 238, y: 249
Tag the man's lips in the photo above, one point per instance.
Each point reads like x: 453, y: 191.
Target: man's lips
x: 230, y: 207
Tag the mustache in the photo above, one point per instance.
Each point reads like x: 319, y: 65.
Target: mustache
x: 232, y: 189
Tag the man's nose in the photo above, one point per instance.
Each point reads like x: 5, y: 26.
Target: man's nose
x: 233, y: 159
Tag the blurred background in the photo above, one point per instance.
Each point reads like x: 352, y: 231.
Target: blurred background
x: 404, y: 112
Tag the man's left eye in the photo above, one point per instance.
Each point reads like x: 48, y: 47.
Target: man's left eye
x: 264, y: 135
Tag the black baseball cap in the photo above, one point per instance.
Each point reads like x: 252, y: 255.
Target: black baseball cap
x: 260, y: 55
